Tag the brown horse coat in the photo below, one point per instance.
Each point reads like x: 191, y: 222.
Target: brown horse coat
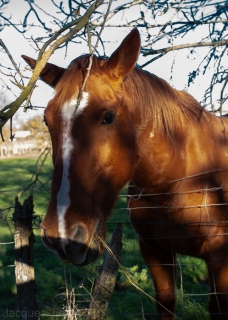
x: 129, y: 125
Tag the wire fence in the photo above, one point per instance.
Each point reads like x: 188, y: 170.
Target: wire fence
x: 65, y: 291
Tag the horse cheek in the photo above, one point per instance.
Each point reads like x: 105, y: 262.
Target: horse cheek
x: 126, y: 157
x: 115, y: 162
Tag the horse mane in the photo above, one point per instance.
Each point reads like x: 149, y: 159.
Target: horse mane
x: 155, y: 99
x: 148, y: 95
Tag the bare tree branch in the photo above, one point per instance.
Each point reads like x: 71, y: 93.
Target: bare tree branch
x: 160, y: 23
x: 11, y: 58
x: 8, y: 111
x: 164, y: 51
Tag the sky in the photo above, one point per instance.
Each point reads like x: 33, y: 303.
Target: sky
x: 18, y: 45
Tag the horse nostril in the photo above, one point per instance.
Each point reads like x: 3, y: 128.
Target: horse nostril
x: 79, y: 234
x: 45, y: 239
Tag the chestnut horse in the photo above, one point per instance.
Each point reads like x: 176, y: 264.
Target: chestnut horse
x: 123, y: 125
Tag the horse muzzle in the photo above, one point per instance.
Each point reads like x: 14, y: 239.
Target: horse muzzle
x: 75, y: 249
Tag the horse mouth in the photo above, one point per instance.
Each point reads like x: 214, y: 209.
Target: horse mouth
x: 71, y: 251
x: 87, y: 255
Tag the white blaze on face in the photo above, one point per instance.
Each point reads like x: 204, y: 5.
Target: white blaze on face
x: 63, y: 198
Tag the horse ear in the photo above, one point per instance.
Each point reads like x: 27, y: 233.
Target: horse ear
x: 51, y: 74
x: 124, y: 58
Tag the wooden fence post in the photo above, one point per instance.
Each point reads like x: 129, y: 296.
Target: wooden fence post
x: 24, y: 270
x: 107, y: 278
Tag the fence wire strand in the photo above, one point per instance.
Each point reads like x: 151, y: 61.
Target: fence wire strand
x: 77, y: 300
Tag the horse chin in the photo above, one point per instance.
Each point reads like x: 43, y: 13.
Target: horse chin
x: 91, y: 256
x: 85, y: 257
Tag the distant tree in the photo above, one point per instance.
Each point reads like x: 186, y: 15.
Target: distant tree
x: 165, y: 26
x: 38, y: 131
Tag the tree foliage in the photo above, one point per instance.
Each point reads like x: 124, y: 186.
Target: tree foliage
x: 166, y: 26
x: 38, y: 131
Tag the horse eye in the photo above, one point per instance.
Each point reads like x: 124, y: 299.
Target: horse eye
x: 109, y: 118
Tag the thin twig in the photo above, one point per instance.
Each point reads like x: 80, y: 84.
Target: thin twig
x: 73, y: 27
x: 3, y: 140
x: 12, y: 135
x: 35, y: 176
x: 91, y: 51
x: 11, y: 58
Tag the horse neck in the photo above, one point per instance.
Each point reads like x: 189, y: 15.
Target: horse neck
x: 161, y: 127
x: 159, y: 157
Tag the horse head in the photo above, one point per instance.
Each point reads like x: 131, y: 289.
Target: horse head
x: 94, y: 149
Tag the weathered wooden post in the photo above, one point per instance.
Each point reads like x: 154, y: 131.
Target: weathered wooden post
x: 107, y: 278
x: 24, y: 270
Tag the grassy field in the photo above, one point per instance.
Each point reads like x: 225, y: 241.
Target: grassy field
x: 20, y: 177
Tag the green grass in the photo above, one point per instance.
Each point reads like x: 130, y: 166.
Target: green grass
x: 18, y: 174
x: 52, y: 277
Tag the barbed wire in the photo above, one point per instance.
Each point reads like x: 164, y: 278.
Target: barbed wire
x: 70, y: 293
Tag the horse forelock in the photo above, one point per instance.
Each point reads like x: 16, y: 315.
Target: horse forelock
x: 69, y: 85
x: 72, y: 80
